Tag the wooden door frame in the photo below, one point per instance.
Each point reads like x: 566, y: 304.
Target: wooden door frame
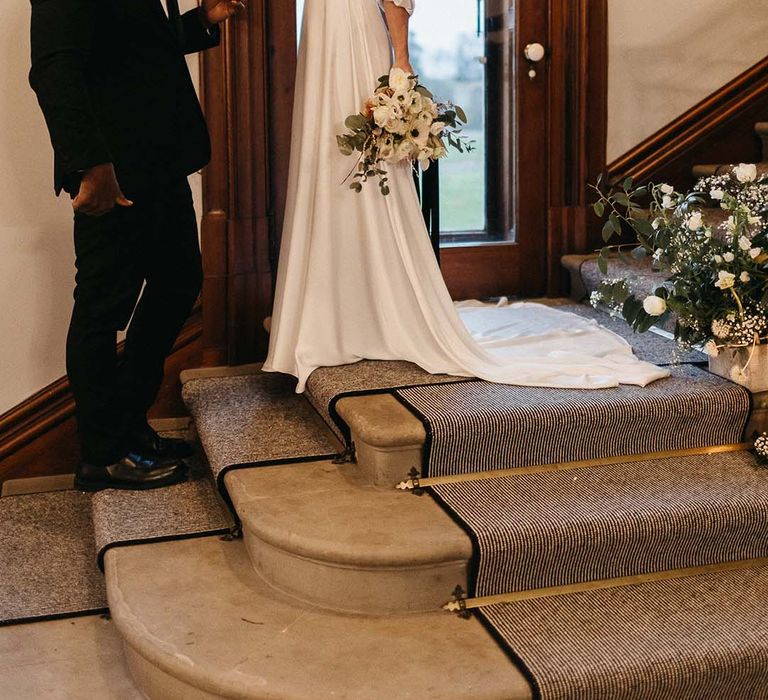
x: 247, y: 92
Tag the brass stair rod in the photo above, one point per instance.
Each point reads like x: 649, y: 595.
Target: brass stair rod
x: 414, y: 482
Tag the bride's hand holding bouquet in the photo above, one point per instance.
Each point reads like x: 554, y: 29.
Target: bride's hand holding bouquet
x: 400, y: 122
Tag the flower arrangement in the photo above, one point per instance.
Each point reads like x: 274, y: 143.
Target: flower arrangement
x: 400, y: 122
x: 717, y: 284
x: 761, y: 448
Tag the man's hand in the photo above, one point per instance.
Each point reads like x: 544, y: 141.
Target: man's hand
x: 217, y: 11
x: 99, y: 192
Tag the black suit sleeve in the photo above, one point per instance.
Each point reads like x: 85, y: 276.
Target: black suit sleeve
x: 196, y: 36
x: 62, y: 33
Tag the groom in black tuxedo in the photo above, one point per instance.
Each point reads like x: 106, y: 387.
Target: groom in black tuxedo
x: 126, y: 129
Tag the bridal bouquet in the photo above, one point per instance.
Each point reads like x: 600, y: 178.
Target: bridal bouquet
x: 717, y: 286
x: 400, y: 122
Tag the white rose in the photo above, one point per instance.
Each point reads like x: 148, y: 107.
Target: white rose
x: 667, y: 189
x: 744, y: 277
x: 718, y: 259
x: 695, y: 221
x: 745, y: 243
x: 711, y: 349
x: 755, y: 252
x: 399, y: 80
x: 654, y: 306
x: 716, y: 194
x: 383, y: 115
x: 725, y: 280
x: 745, y: 172
x: 729, y: 257
x: 667, y: 202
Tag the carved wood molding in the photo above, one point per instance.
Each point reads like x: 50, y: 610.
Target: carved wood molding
x: 724, y: 109
x: 247, y: 95
x: 578, y: 126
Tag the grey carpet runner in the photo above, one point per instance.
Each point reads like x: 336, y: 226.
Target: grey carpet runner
x: 515, y: 426
x: 559, y: 528
x: 698, y: 638
x: 241, y: 421
x: 551, y: 529
x: 48, y: 558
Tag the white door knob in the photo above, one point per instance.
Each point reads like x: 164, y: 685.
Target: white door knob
x: 535, y: 52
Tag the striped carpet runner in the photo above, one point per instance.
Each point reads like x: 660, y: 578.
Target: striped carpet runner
x: 697, y: 637
x: 515, y: 426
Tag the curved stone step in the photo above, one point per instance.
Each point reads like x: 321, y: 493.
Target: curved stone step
x: 322, y: 533
x: 198, y: 624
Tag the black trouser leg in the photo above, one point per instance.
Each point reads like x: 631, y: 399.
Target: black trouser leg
x: 173, y: 280
x: 155, y: 241
x: 108, y: 282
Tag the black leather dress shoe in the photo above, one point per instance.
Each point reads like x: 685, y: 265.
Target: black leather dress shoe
x: 148, y: 441
x: 133, y: 472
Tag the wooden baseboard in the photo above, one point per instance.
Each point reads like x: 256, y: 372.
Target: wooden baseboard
x: 720, y: 129
x: 38, y: 437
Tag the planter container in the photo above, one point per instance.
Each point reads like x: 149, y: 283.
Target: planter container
x: 730, y: 364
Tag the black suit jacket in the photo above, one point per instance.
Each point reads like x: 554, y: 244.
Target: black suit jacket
x: 113, y: 84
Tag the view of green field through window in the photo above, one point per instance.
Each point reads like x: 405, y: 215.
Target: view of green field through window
x: 447, y: 53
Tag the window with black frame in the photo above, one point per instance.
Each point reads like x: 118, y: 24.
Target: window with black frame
x: 462, y: 51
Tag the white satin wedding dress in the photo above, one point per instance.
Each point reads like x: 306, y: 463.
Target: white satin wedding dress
x: 357, y: 277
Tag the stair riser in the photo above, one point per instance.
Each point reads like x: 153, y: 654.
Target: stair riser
x: 356, y: 590
x: 386, y: 467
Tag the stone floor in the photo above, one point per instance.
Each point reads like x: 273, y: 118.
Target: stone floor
x: 73, y: 659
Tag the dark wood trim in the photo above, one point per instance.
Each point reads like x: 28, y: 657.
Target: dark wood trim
x: 481, y: 271
x: 248, y: 99
x: 37, y: 437
x: 703, y: 134
x: 578, y: 110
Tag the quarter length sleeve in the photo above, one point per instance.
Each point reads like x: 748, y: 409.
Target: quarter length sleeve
x: 409, y: 5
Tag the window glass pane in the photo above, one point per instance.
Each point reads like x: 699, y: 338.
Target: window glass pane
x: 445, y: 50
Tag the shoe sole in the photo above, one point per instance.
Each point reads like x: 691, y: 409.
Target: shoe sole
x: 88, y: 486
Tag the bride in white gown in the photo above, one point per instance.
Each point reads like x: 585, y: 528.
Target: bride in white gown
x: 358, y: 278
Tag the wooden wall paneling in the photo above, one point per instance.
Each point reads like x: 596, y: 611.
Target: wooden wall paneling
x: 248, y: 98
x: 719, y: 129
x: 215, y: 208
x: 530, y: 117
x: 481, y: 271
x: 282, y: 44
x: 578, y: 127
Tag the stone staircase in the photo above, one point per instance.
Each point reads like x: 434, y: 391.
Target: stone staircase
x: 334, y: 591
x: 336, y: 587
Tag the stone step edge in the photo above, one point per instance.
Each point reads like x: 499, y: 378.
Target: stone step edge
x: 301, y: 653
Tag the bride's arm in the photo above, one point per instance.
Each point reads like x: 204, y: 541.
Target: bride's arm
x: 398, y: 14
